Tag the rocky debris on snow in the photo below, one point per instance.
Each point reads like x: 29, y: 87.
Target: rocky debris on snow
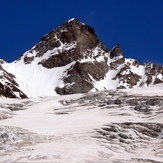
x: 7, y: 110
x: 146, y: 106
x: 16, y: 106
x: 5, y: 113
x: 130, y: 137
x: 129, y: 134
x: 119, y: 98
x: 118, y: 123
x: 13, y: 138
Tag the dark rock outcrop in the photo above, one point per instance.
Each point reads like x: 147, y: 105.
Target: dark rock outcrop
x: 115, y: 52
x: 84, y: 41
x: 70, y: 33
x: 79, y: 79
x: 151, y: 71
x: 8, y: 86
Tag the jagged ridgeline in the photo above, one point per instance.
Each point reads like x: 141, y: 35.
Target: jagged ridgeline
x: 71, y: 59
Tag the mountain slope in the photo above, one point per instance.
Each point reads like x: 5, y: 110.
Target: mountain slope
x: 71, y: 59
x: 8, y: 85
x: 115, y: 126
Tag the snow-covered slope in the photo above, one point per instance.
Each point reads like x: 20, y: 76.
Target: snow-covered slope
x: 71, y: 59
x: 35, y: 80
x: 104, y: 127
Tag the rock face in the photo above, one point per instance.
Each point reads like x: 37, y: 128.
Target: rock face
x: 8, y: 86
x: 131, y: 74
x: 71, y: 40
x: 85, y: 44
x: 71, y: 59
x: 79, y: 77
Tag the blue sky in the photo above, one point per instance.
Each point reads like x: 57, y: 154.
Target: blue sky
x: 137, y: 25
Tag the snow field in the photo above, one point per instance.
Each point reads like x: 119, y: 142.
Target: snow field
x: 83, y: 128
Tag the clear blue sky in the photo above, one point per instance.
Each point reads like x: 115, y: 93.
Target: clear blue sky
x: 137, y: 25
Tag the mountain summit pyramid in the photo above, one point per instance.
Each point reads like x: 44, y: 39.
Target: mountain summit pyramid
x: 71, y: 59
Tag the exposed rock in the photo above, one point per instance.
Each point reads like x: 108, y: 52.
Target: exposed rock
x: 5, y: 113
x: 151, y: 71
x: 117, y: 101
x: 116, y: 52
x: 9, y: 90
x: 135, y: 63
x: 153, y: 102
x: 142, y: 108
x: 157, y: 81
x: 70, y: 33
x: 109, y: 102
x: 132, y: 102
x: 84, y: 41
x: 131, y: 79
x: 115, y: 64
x: 121, y: 87
x: 13, y: 138
x: 78, y: 78
x: 8, y: 85
x: 123, y: 136
x: 28, y: 60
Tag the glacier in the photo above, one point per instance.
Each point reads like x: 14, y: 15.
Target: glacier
x: 105, y: 126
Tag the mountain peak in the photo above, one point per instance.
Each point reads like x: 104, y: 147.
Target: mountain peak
x: 71, y: 59
x: 74, y: 20
x: 72, y: 39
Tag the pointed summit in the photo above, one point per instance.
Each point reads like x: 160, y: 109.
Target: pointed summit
x: 75, y: 20
x: 71, y: 59
x: 72, y: 39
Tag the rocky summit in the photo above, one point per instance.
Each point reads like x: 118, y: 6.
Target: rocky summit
x: 71, y: 59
